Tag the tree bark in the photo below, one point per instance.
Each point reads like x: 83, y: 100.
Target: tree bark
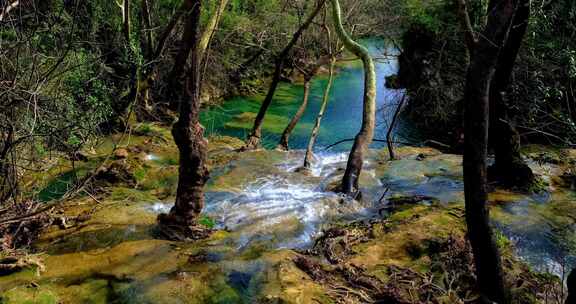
x: 389, y: 139
x: 316, y: 128
x: 509, y: 167
x: 476, y: 116
x: 188, y: 134
x: 366, y: 134
x: 147, y: 21
x: 283, y: 144
x: 254, y: 139
x: 210, y: 29
x: 181, y: 58
x: 127, y: 24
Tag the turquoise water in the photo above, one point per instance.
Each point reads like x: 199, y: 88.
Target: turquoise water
x: 343, y: 115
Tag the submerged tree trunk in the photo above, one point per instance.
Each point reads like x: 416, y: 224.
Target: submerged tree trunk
x: 283, y: 144
x: 477, y: 95
x: 181, y: 222
x: 366, y: 134
x: 254, y: 139
x: 316, y: 128
x: 509, y: 167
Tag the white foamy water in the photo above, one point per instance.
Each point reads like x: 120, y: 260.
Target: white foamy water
x: 282, y: 207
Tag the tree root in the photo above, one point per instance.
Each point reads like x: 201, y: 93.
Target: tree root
x: 182, y: 233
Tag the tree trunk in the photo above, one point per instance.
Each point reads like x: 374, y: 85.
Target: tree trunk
x: 149, y: 47
x: 181, y: 222
x: 210, y: 29
x: 509, y: 167
x: 477, y: 94
x: 283, y: 144
x: 366, y: 134
x: 254, y: 139
x: 126, y: 22
x: 316, y: 128
x: 181, y: 58
x: 391, y: 128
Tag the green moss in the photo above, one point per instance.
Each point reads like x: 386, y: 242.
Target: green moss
x: 207, y: 221
x: 129, y: 194
x: 272, y: 123
x: 24, y: 295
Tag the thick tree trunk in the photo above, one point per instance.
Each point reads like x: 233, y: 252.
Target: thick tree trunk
x: 316, y: 128
x: 181, y: 58
x: 254, y: 139
x: 477, y: 94
x: 509, y: 167
x: 181, y: 222
x: 283, y: 144
x: 366, y: 134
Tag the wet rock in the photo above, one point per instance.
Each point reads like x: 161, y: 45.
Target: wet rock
x: 121, y: 154
x: 12, y: 264
x: 395, y: 203
x: 118, y: 172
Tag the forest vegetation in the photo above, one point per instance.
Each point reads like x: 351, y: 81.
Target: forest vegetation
x: 287, y: 151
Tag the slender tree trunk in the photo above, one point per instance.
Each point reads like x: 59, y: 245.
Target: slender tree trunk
x: 181, y: 222
x: 476, y: 116
x: 366, y: 134
x: 254, y: 139
x: 316, y: 128
x: 509, y: 167
x: 210, y: 29
x: 391, y: 128
x: 127, y: 23
x: 283, y: 144
x: 149, y: 47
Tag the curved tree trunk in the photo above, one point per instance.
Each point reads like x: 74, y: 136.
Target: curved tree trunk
x: 509, y: 167
x: 477, y: 96
x: 254, y: 139
x: 366, y: 134
x: 283, y: 144
x: 316, y: 128
x: 181, y: 222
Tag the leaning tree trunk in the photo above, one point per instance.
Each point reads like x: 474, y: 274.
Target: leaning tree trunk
x: 254, y: 139
x: 316, y: 128
x: 477, y: 95
x: 283, y: 144
x: 366, y: 134
x: 509, y: 167
x: 181, y: 222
